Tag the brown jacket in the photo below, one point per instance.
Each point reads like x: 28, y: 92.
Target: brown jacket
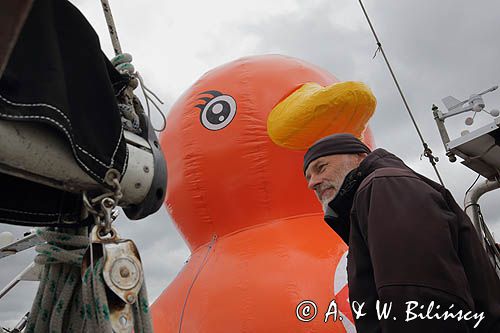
x: 411, y: 244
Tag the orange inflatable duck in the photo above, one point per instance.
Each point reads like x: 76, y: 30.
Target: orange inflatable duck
x: 262, y: 258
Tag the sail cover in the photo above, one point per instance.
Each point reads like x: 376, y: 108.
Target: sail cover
x: 57, y: 75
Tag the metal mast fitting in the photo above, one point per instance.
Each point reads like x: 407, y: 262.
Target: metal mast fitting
x: 36, y: 153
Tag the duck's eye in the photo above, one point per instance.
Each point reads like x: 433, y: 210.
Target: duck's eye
x: 218, y: 112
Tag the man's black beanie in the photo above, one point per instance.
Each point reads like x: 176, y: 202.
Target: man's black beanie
x: 334, y: 144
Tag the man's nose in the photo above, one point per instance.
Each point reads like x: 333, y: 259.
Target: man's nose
x: 313, y: 183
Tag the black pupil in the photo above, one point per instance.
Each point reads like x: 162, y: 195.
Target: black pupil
x: 217, y: 118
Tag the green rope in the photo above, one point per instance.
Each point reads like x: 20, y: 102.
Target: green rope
x: 67, y: 303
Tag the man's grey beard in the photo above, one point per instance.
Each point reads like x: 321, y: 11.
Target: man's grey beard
x: 335, y: 183
x: 325, y: 201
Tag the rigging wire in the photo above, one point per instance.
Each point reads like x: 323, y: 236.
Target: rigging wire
x: 427, y: 151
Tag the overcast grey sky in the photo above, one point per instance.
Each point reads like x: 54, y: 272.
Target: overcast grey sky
x: 437, y: 48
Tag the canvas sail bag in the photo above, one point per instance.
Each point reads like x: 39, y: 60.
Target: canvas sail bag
x: 58, y: 77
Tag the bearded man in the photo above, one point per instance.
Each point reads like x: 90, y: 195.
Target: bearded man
x: 412, y: 250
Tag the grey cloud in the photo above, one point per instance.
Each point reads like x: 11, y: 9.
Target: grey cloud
x: 435, y: 49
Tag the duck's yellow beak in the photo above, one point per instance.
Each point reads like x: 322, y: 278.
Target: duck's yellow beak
x: 312, y: 112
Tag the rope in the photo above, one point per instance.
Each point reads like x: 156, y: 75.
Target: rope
x: 427, y: 151
x: 111, y: 27
x: 58, y: 295
x: 146, y: 92
x: 67, y: 303
x: 129, y: 107
x: 122, y: 62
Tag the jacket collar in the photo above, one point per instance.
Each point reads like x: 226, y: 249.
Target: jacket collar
x: 338, y: 212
